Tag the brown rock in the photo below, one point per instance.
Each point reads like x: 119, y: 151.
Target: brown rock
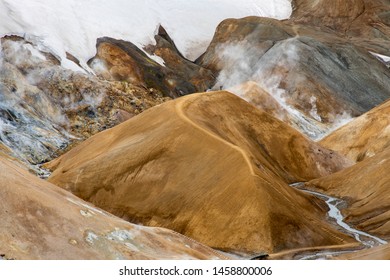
x: 123, y: 61
x: 200, y: 77
x: 331, y: 13
x: 365, y: 23
x: 45, y: 108
x: 123, y: 116
x: 319, y: 74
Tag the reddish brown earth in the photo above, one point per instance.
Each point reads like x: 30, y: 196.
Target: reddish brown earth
x: 365, y: 186
x: 41, y: 221
x: 209, y: 166
x: 119, y: 60
x: 319, y: 71
x: 363, y: 137
x: 377, y: 253
x: 365, y: 23
x: 45, y: 108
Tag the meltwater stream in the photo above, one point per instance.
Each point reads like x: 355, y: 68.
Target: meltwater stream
x: 334, y: 213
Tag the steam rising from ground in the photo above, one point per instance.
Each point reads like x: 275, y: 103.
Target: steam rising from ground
x: 33, y: 119
x: 273, y: 68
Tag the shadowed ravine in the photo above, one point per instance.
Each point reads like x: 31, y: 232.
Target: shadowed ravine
x: 335, y: 216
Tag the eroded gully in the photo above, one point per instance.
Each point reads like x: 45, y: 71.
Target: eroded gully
x: 335, y: 216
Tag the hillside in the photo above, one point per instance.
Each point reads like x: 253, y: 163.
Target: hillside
x: 206, y: 166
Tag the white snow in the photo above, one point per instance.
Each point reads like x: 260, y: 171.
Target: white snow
x: 381, y: 56
x: 73, y: 26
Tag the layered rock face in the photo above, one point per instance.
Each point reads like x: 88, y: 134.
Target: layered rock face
x: 336, y: 14
x: 365, y: 23
x: 209, y: 168
x: 44, y: 108
x: 201, y: 78
x: 365, y: 186
x: 175, y: 76
x: 363, y: 137
x: 41, y: 221
x: 317, y: 75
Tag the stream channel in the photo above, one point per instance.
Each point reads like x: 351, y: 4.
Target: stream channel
x: 335, y: 216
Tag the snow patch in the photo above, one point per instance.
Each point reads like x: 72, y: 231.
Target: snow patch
x: 382, y: 57
x: 34, y: 52
x: 73, y: 26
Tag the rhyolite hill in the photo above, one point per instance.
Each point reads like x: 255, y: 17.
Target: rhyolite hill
x: 170, y: 140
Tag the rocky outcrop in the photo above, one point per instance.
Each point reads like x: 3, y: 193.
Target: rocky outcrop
x: 363, y: 137
x: 209, y: 166
x: 42, y: 221
x: 335, y: 14
x: 44, y: 108
x: 365, y: 187
x: 123, y: 61
x: 317, y: 75
x: 364, y: 23
x: 200, y: 77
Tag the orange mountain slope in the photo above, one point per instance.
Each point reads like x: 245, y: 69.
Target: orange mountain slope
x: 363, y: 137
x: 42, y: 221
x: 209, y: 166
x: 365, y: 186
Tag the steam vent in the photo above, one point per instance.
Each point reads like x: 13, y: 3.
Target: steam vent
x: 211, y: 130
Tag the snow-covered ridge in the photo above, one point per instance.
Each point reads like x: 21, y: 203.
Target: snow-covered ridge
x: 73, y: 25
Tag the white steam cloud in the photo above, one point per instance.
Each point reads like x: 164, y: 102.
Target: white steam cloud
x: 33, y: 121
x: 273, y: 68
